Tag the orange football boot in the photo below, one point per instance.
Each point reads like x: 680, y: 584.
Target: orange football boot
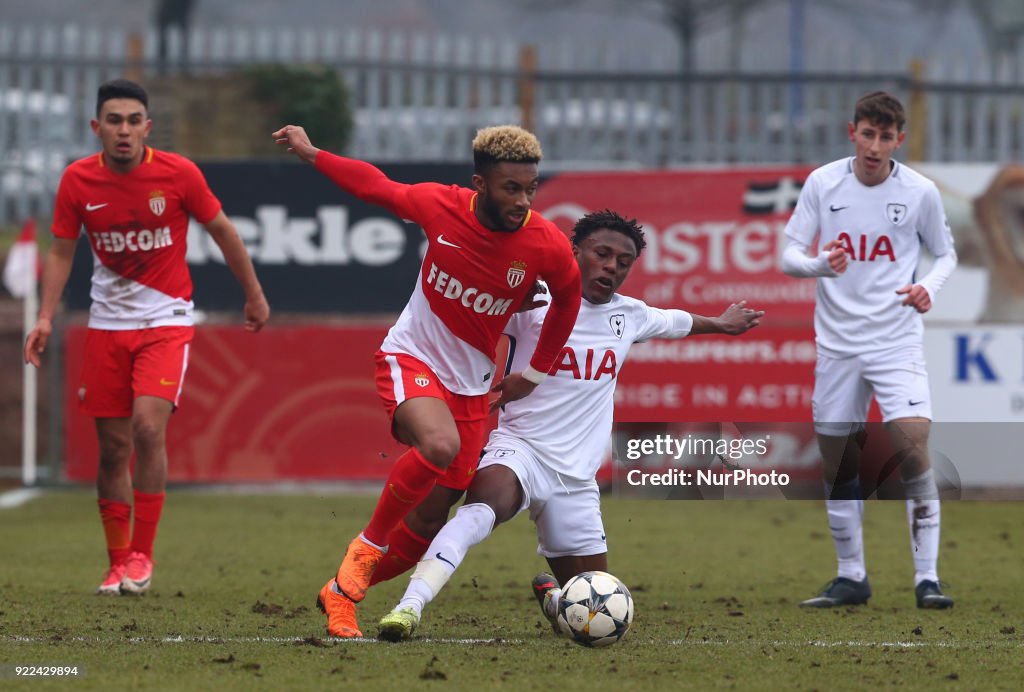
x: 112, y: 580
x: 357, y: 568
x: 340, y: 611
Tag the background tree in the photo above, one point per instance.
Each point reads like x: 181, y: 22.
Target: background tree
x: 314, y: 97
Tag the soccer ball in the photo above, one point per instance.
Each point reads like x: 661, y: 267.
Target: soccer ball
x: 595, y: 609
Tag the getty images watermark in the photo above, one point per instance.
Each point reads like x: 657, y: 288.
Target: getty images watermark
x: 766, y: 460
x: 725, y: 470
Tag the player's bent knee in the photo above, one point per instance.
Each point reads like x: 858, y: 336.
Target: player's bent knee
x: 439, y: 450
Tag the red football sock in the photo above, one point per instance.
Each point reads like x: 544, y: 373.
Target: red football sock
x: 116, y: 518
x: 147, y: 515
x: 409, y: 482
x: 405, y: 549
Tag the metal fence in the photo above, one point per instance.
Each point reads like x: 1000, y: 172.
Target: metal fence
x: 421, y: 98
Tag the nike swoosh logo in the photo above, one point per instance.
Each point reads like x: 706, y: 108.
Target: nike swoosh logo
x: 915, y: 403
x: 832, y: 207
x: 438, y: 556
x: 167, y: 383
x: 441, y: 240
x: 94, y: 207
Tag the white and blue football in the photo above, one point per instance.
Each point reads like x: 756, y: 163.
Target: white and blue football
x: 595, y: 609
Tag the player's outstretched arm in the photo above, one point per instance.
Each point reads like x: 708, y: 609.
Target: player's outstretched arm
x: 736, y: 319
x: 56, y: 270
x: 257, y: 310
x: 364, y: 180
x: 297, y: 141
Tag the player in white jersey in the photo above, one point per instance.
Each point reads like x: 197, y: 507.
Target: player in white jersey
x: 871, y: 215
x: 544, y: 456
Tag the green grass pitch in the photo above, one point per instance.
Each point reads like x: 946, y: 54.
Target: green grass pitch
x: 716, y: 586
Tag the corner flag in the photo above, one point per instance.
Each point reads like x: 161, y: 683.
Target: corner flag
x: 22, y: 268
x: 20, y: 277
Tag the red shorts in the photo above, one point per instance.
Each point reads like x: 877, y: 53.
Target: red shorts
x: 123, y: 365
x: 401, y: 377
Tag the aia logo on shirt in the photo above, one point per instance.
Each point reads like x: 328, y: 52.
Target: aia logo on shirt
x: 860, y: 249
x: 157, y: 202
x: 516, y: 273
x: 592, y: 368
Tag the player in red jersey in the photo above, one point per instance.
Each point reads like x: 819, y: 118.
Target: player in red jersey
x: 434, y: 370
x: 134, y: 203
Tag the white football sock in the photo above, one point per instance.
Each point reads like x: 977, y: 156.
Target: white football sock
x: 923, y: 518
x: 845, y: 520
x: 470, y: 525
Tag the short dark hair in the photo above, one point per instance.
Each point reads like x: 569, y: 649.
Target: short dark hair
x: 120, y: 89
x: 504, y: 143
x: 880, y: 108
x: 607, y: 219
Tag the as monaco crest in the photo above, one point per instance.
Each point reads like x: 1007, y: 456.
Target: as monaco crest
x: 157, y: 202
x: 516, y: 273
x: 422, y: 380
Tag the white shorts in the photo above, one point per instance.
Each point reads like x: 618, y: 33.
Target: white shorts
x: 843, y: 388
x: 566, y: 511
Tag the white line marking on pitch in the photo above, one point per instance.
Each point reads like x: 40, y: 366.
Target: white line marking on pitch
x: 837, y: 644
x: 16, y: 498
x: 181, y: 639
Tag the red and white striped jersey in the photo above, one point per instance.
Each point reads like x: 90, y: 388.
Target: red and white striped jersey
x: 472, y: 279
x: 137, y: 224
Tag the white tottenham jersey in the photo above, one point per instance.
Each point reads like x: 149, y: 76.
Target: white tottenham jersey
x: 567, y: 420
x: 882, y: 228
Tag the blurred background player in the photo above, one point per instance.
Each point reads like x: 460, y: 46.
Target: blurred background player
x: 435, y: 367
x: 134, y: 202
x: 546, y: 451
x: 997, y: 243
x: 871, y: 215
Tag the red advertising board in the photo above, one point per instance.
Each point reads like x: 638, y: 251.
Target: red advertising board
x: 765, y: 375
x: 713, y: 236
x: 289, y: 402
x: 299, y: 402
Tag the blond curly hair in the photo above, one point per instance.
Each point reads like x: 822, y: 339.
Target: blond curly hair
x: 505, y: 143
